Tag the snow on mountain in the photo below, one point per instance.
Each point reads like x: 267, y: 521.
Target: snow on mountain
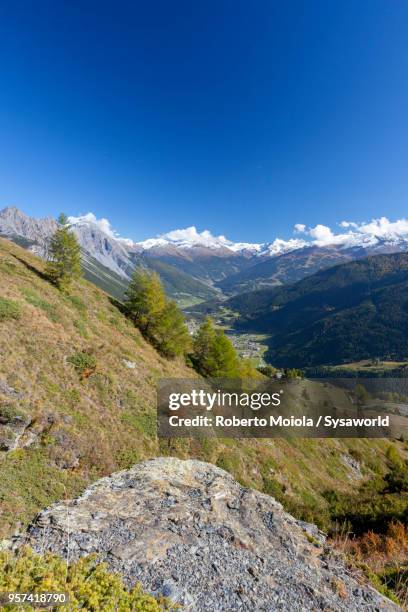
x: 103, y: 243
x: 375, y: 233
x: 378, y: 233
x: 189, y: 238
x: 105, y: 248
x: 279, y: 246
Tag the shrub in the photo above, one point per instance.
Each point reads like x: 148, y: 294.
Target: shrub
x: 144, y: 422
x: 397, y: 479
x: 8, y: 413
x: 90, y: 585
x: 267, y: 370
x: 9, y: 309
x: 84, y: 362
x: 393, y: 456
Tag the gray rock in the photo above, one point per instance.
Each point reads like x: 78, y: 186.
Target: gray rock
x: 12, y: 430
x: 241, y: 551
x: 353, y: 465
x: 13, y: 223
x: 8, y: 391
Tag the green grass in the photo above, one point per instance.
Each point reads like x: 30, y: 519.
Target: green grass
x: 144, y: 423
x: 21, y: 472
x: 9, y: 309
x: 34, y: 299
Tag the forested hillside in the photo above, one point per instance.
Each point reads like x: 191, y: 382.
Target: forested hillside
x: 346, y: 313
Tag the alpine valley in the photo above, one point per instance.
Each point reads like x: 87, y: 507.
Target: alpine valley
x: 302, y: 294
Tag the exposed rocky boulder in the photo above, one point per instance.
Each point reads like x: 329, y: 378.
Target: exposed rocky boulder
x: 13, y: 429
x: 188, y: 530
x: 13, y: 423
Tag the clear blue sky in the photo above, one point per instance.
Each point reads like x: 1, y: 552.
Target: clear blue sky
x: 240, y: 117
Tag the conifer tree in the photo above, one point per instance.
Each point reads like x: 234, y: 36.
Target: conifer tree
x: 173, y: 337
x: 64, y: 256
x: 204, y: 339
x: 225, y: 357
x: 213, y: 353
x: 145, y: 300
x: 158, y: 318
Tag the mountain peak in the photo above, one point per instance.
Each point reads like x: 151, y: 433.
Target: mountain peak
x: 14, y: 222
x: 190, y: 237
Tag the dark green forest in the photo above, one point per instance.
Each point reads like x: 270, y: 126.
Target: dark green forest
x: 349, y: 312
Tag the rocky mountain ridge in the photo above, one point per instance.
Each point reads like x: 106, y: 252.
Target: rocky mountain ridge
x: 211, y: 261
x: 189, y: 531
x: 15, y: 224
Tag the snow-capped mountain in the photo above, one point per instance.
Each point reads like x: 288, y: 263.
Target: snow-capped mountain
x: 190, y: 238
x: 213, y: 260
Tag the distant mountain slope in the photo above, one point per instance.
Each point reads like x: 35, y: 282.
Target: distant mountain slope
x: 178, y: 284
x: 103, y: 277
x: 207, y: 267
x: 287, y: 268
x: 345, y: 313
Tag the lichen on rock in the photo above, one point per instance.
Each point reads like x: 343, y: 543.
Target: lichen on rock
x: 187, y: 530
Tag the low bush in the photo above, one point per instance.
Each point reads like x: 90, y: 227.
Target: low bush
x: 89, y: 584
x: 84, y: 362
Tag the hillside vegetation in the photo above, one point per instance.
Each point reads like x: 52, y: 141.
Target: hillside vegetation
x: 77, y: 401
x: 87, y: 583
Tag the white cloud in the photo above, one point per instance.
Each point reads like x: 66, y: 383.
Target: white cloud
x: 362, y: 233
x: 322, y: 234
x: 383, y: 227
x: 190, y: 235
x: 346, y: 224
x: 90, y: 219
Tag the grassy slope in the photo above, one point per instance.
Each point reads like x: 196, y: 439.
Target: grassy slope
x: 107, y: 421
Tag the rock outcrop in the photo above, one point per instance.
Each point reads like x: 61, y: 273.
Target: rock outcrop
x: 37, y: 232
x: 189, y: 531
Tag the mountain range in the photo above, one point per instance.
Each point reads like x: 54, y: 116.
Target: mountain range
x: 197, y: 266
